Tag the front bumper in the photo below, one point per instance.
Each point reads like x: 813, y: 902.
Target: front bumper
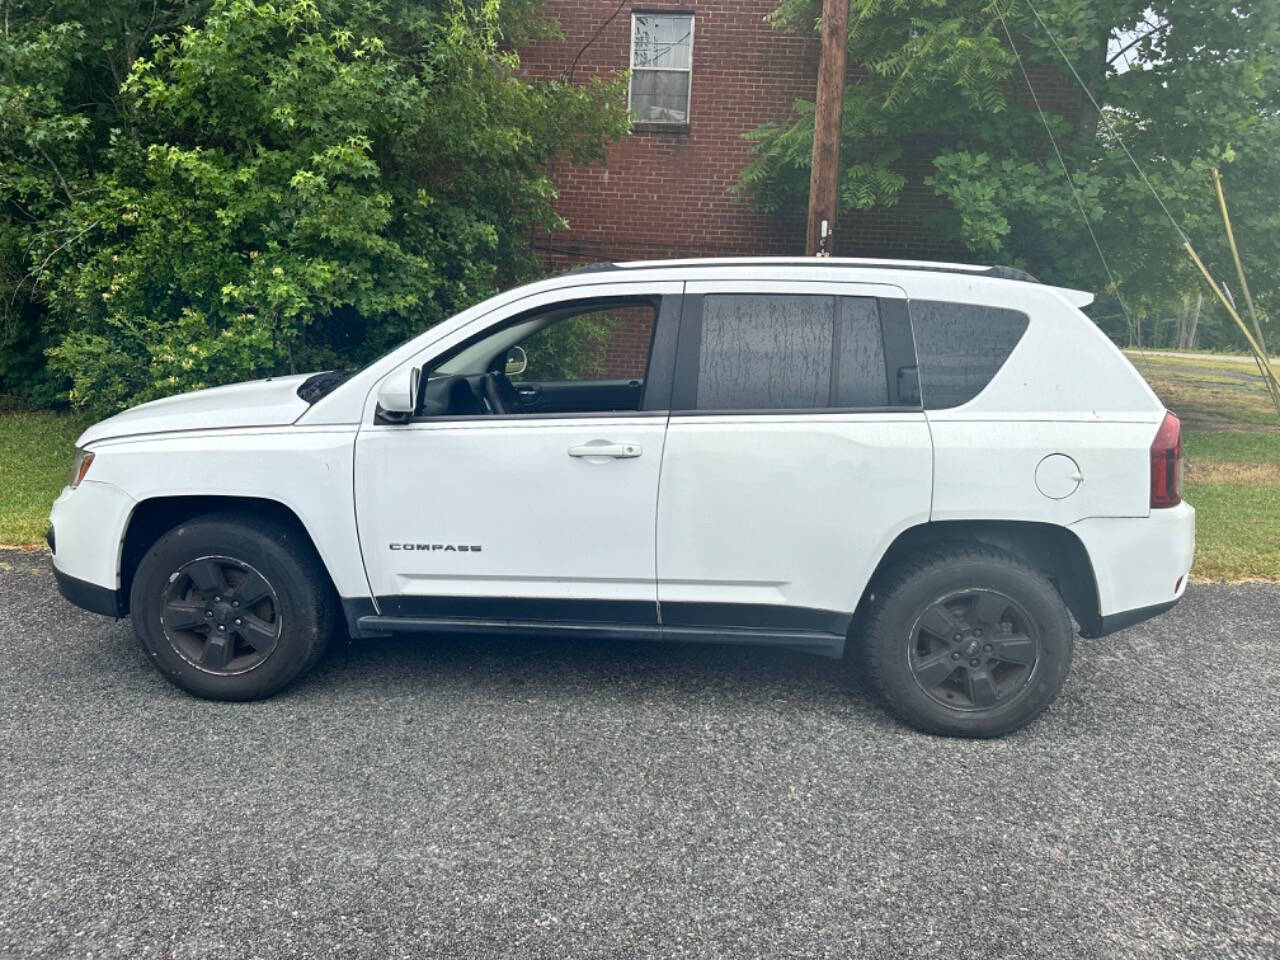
x: 90, y: 596
x: 88, y: 524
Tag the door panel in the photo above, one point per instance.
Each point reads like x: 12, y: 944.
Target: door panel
x: 785, y: 511
x: 499, y: 515
x: 494, y: 517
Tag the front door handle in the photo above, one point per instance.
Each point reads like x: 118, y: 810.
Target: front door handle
x: 606, y: 448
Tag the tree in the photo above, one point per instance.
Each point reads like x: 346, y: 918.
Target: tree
x: 1184, y: 83
x: 299, y: 185
x: 62, y: 64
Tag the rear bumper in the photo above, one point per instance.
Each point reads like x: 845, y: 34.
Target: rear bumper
x: 90, y: 596
x: 1140, y: 564
x: 1113, y: 622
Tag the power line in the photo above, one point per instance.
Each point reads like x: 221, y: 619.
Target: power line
x: 567, y: 73
x: 1075, y: 193
x: 1101, y: 114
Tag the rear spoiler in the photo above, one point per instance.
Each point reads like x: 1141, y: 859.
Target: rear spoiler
x: 1077, y: 298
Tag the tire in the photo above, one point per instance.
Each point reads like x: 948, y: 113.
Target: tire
x: 966, y: 641
x: 190, y: 621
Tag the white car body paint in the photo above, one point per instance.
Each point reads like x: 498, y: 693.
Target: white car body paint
x: 249, y: 462
x: 550, y: 525
x: 259, y: 403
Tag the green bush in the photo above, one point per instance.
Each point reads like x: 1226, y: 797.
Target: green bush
x: 291, y: 186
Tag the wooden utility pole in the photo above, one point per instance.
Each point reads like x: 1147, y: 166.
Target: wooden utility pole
x: 824, y: 181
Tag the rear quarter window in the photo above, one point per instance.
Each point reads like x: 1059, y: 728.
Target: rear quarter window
x: 961, y: 347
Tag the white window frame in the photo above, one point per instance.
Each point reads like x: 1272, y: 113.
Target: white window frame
x: 632, y: 68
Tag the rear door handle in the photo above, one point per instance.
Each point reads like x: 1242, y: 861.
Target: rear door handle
x: 606, y: 448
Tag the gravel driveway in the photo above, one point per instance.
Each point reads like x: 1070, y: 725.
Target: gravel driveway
x: 573, y: 799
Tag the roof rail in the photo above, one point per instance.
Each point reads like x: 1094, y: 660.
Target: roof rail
x: 591, y: 268
x: 997, y: 272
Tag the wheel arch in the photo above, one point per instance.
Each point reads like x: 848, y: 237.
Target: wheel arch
x: 1052, y: 549
x: 155, y: 516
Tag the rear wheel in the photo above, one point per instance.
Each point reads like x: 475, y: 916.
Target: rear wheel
x: 232, y: 607
x: 966, y: 641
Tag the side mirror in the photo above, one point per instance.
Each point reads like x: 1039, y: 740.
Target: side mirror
x: 517, y: 362
x: 398, y: 393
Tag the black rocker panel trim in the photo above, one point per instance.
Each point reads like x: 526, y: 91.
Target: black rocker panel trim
x: 751, y: 616
x: 521, y: 608
x: 808, y: 641
x: 802, y: 628
x: 761, y: 616
x: 478, y: 625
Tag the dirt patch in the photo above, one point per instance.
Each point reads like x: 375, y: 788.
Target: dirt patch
x: 1217, y: 406
x: 1199, y: 420
x: 1211, y: 394
x: 1228, y: 471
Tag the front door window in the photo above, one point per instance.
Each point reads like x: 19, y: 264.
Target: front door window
x: 590, y: 358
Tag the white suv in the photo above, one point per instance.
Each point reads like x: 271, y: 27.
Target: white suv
x: 928, y: 467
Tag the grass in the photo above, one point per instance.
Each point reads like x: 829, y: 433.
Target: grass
x: 1238, y: 446
x: 35, y: 456
x: 1232, y: 442
x: 1233, y: 481
x: 1237, y: 531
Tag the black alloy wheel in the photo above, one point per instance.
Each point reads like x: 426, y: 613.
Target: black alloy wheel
x: 973, y: 650
x: 964, y: 640
x: 221, y: 615
x: 233, y: 605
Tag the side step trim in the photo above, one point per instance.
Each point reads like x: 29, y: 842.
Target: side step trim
x: 818, y: 642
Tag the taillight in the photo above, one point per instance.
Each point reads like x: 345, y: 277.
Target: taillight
x: 1166, y: 464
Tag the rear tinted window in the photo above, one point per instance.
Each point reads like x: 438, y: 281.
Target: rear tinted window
x: 765, y: 352
x: 779, y: 352
x: 960, y: 347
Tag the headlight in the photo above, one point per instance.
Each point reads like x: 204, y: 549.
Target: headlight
x: 79, y: 467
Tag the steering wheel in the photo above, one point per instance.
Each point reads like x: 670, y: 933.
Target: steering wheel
x: 499, y: 393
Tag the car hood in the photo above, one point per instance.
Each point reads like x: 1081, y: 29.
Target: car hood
x: 260, y: 403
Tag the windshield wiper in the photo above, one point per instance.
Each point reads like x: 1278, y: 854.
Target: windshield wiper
x: 322, y: 384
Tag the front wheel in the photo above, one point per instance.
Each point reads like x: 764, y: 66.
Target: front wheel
x: 966, y: 641
x: 232, y: 607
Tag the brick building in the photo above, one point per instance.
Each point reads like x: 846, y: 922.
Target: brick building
x: 704, y: 73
